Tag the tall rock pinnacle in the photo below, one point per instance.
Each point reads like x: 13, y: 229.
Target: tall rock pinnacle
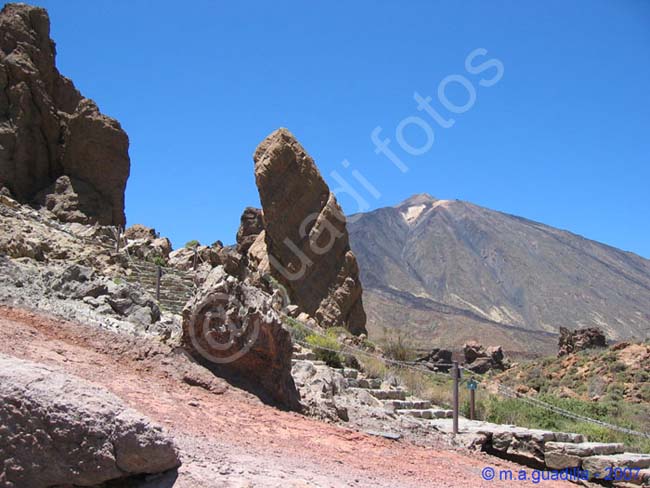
x: 306, y: 235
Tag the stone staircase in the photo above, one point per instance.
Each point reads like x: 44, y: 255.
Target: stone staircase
x: 394, y: 398
x: 541, y: 449
x: 176, y: 288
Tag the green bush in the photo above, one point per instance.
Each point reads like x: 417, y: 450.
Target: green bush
x: 192, y: 244
x: 298, y: 331
x: 326, y: 349
x: 159, y: 261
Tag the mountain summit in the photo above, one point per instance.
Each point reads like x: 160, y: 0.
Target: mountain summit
x: 446, y: 271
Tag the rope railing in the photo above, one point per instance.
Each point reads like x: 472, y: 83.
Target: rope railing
x: 510, y: 393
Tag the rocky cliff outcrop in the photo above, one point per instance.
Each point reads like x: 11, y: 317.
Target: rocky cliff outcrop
x: 580, y: 339
x: 59, y: 430
x: 306, y: 236
x: 56, y: 149
x: 232, y: 328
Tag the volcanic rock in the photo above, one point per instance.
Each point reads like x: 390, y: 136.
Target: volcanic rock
x: 580, y: 339
x: 232, y: 328
x: 48, y: 130
x: 437, y: 360
x: 59, y: 430
x: 306, y: 236
x: 252, y: 224
x: 139, y: 231
x: 479, y: 360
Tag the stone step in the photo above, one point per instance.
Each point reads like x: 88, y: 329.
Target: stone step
x: 388, y: 394
x: 350, y: 373
x: 560, y: 455
x: 371, y: 383
x: 429, y: 413
x: 599, y: 467
x: 304, y: 356
x: 408, y: 404
x: 315, y: 363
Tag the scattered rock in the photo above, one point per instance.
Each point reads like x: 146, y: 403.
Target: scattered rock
x: 58, y: 429
x: 52, y: 131
x: 232, y: 327
x: 305, y: 235
x: 580, y: 339
x: 480, y: 361
x: 437, y: 360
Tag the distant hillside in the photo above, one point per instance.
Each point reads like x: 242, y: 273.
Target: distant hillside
x: 447, y: 271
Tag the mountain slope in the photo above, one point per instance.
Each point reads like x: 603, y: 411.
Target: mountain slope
x: 447, y: 271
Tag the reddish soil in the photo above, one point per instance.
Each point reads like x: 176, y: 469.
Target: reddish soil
x: 231, y: 439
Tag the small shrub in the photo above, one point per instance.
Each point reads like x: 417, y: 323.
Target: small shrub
x: 617, y: 367
x: 326, y: 349
x: 192, y: 244
x: 298, y: 331
x: 397, y: 349
x: 159, y: 261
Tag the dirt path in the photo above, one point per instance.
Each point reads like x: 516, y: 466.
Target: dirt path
x: 231, y: 439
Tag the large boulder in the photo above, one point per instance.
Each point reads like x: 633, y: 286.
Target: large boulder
x: 59, y: 430
x: 306, y: 236
x: 436, y: 360
x: 232, y: 328
x: 480, y: 360
x: 48, y: 130
x: 580, y: 339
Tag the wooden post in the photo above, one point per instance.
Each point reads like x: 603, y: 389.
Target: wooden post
x: 158, y: 276
x: 455, y: 375
x: 472, y: 404
x: 196, y: 257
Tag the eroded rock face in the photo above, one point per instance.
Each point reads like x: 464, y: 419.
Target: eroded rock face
x: 306, y: 236
x: 48, y: 130
x: 580, y: 339
x: 59, y: 430
x: 232, y: 328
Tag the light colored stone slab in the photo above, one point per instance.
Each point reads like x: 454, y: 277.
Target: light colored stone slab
x: 584, y: 449
x: 598, y: 466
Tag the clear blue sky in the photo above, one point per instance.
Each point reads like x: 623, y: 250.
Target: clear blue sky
x: 562, y: 138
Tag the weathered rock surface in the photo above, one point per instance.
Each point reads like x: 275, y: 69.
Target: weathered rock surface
x: 580, y: 339
x: 251, y: 226
x: 306, y: 236
x: 233, y: 328
x: 58, y: 429
x: 139, y: 231
x: 479, y: 360
x: 56, y: 149
x: 437, y: 360
x: 77, y: 292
